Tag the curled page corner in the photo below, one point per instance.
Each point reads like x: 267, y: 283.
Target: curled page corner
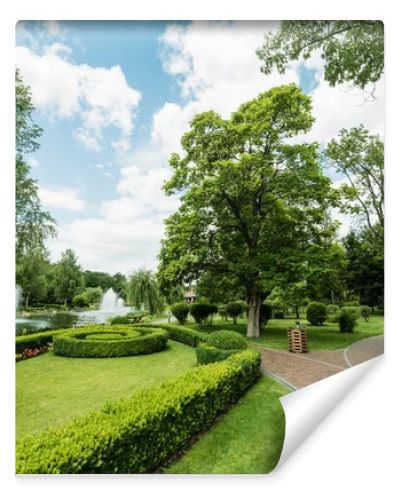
x: 306, y: 408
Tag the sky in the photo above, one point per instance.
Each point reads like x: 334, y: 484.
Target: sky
x: 114, y: 98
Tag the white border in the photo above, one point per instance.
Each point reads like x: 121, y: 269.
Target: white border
x: 354, y: 452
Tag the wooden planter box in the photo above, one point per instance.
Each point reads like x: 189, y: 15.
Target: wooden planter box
x: 297, y: 339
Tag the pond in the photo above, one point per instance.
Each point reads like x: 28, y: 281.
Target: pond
x: 31, y: 323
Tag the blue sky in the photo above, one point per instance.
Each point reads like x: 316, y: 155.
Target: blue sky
x: 114, y: 98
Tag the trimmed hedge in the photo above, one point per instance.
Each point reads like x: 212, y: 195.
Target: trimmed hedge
x: 347, y: 319
x: 131, y: 342
x: 316, y: 313
x: 32, y: 340
x: 220, y: 345
x: 226, y: 339
x: 183, y: 334
x: 180, y: 311
x: 207, y: 354
x: 139, y: 434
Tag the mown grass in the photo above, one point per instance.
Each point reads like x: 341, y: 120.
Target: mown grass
x: 248, y: 439
x: 51, y: 390
x: 319, y: 337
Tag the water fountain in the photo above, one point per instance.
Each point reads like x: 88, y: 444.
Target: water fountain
x: 111, y: 303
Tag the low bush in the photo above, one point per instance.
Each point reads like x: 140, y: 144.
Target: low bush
x: 207, y: 354
x: 180, y: 311
x: 234, y: 309
x: 108, y: 336
x: 131, y: 342
x: 34, y: 340
x: 347, y: 319
x: 183, y: 334
x: 80, y: 300
x: 139, y: 434
x: 365, y: 312
x: 316, y: 313
x: 129, y: 318
x: 201, y: 312
x: 120, y: 320
x: 225, y: 339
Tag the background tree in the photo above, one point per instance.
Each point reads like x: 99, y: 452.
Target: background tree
x: 353, y: 51
x: 31, y: 271
x: 33, y: 225
x: 364, y: 273
x: 69, y: 279
x: 143, y: 291
x: 219, y: 291
x: 252, y: 204
x: 359, y: 156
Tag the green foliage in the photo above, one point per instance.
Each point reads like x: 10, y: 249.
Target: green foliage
x: 226, y: 339
x: 129, y: 318
x: 109, y: 336
x: 265, y: 313
x: 352, y: 50
x: 143, y: 291
x: 80, y: 300
x: 234, y: 310
x: 332, y: 311
x: 31, y: 269
x: 347, y: 317
x: 359, y: 156
x: 201, y: 312
x: 236, y: 181
x: 182, y: 334
x: 139, y: 434
x: 364, y: 274
x: 180, y: 312
x: 68, y: 277
x: 93, y: 295
x: 207, y: 354
x: 131, y: 342
x: 316, y: 313
x: 365, y: 312
x: 33, y: 225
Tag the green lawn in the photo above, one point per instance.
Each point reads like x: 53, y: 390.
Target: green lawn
x: 51, y: 390
x: 247, y: 440
x: 320, y: 337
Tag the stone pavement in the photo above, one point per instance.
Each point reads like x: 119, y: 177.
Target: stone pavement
x: 299, y: 370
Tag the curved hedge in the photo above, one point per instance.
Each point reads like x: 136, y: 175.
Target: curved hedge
x: 207, y: 354
x: 219, y: 346
x: 116, y: 343
x: 139, y: 434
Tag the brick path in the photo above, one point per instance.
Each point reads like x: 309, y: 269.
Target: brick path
x: 299, y: 370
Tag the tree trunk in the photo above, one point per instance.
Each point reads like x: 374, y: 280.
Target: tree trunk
x: 253, y: 321
x: 296, y: 308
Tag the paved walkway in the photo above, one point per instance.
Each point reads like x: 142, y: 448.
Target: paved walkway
x: 299, y: 370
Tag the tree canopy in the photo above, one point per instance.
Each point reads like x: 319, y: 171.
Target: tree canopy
x: 353, y: 51
x: 33, y: 225
x: 143, y: 291
x: 253, y: 205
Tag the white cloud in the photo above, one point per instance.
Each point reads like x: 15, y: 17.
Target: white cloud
x: 98, y: 97
x: 61, y: 197
x: 126, y: 235
x: 216, y: 68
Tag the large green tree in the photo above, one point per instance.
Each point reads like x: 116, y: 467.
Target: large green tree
x: 359, y: 157
x: 31, y: 275
x: 252, y: 202
x: 33, y: 225
x: 143, y: 291
x: 68, y: 278
x: 353, y: 51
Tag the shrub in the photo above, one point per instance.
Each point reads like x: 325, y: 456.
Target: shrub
x: 225, y: 339
x: 279, y: 314
x: 365, y: 312
x: 316, y: 313
x: 30, y: 341
x: 234, y: 309
x: 332, y: 311
x: 180, y: 311
x: 347, y: 319
x: 265, y: 313
x: 139, y: 434
x: 207, y: 354
x: 120, y: 320
x: 183, y: 334
x: 201, y: 312
x: 80, y: 300
x: 131, y: 342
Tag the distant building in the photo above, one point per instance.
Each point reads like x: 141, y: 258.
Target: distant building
x: 190, y: 296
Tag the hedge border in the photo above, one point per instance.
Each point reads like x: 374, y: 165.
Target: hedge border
x: 139, y: 434
x: 133, y: 341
